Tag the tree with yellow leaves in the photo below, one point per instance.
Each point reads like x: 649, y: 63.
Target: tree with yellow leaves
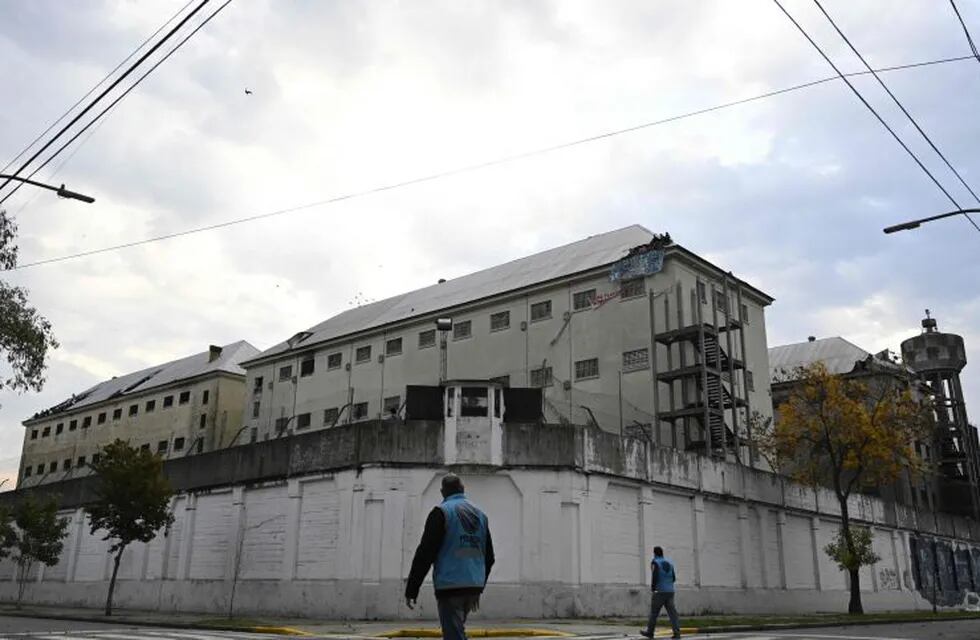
x: 847, y: 434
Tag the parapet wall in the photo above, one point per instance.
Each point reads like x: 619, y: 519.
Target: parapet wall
x: 326, y: 524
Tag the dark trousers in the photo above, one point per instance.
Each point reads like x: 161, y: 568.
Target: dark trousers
x: 452, y: 614
x: 662, y: 600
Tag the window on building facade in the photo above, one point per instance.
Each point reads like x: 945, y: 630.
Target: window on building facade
x: 253, y: 436
x: 96, y: 457
x: 303, y: 421
x: 151, y: 405
x: 58, y: 428
x: 40, y: 469
x: 205, y: 396
x: 427, y: 338
x: 200, y: 445
x: 585, y: 369
x: 52, y: 467
x: 162, y: 446
x: 474, y: 402
x: 257, y: 385
x: 72, y: 425
x: 46, y: 432
x: 497, y: 402
x: 636, y: 359
x: 255, y: 409
x: 134, y: 409
x: 500, y: 321
x: 117, y: 413
x: 632, y: 288
x: 281, y: 424
x: 702, y: 293
x: 391, y: 405
x: 66, y: 464
x: 504, y: 380
x: 184, y: 397
x: 462, y: 330
x: 721, y: 301
x: 178, y: 444
x: 749, y: 381
x: 33, y: 434
x: 86, y: 422
x: 359, y: 411
x: 330, y: 416
x: 393, y: 347
x: 145, y: 447
x: 541, y: 310
x: 285, y: 373
x: 168, y: 401
x: 102, y: 417
x: 363, y: 354
x: 307, y: 367
x: 202, y: 421
x: 541, y: 377
x: 28, y: 471
x: 81, y: 461
x: 334, y: 360
x: 583, y: 300
x: 745, y: 313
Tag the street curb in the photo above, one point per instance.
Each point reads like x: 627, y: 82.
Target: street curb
x: 497, y: 632
x: 26, y: 613
x: 735, y: 628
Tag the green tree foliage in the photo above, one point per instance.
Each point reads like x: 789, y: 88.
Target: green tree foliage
x: 856, y: 555
x: 25, y: 336
x: 132, y: 501
x: 36, y: 536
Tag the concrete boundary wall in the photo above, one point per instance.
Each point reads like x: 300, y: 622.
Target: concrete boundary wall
x: 573, y: 537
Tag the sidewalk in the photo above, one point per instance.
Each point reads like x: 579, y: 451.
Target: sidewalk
x: 608, y: 627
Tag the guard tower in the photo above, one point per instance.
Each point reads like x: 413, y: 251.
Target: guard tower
x: 937, y: 358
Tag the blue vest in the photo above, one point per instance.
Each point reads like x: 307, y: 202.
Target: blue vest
x: 460, y: 563
x: 665, y: 577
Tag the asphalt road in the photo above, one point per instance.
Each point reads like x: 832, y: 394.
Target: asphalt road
x: 23, y: 628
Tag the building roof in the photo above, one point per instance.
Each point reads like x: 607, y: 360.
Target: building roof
x: 228, y: 361
x: 592, y: 252
x: 836, y: 353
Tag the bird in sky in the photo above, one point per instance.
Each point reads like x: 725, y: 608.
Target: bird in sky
x: 248, y: 92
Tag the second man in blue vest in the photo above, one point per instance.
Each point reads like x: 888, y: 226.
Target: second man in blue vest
x: 456, y: 540
x: 662, y: 585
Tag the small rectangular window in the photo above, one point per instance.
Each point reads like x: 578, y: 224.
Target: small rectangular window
x: 359, y: 411
x: 745, y: 314
x: 255, y: 409
x: 86, y: 422
x: 285, y: 373
x: 203, y: 421
x: 702, y: 293
x: 500, y: 321
x: 391, y: 405
x: 28, y: 471
x: 307, y: 367
x: 427, y: 338
x: 151, y: 406
x: 451, y: 402
x: 330, y: 416
x: 541, y: 377
x: 178, y: 444
x: 462, y: 330
x: 40, y: 469
x: 162, y: 446
x: 585, y: 369
x: 721, y: 301
x: 540, y: 311
x: 303, y: 421
x: 749, y: 381
x: 200, y: 445
x: 66, y: 464
x: 46, y: 432
x: 134, y: 409
x: 281, y: 424
x: 205, y: 396
x: 52, y: 467
x: 81, y: 461
x: 257, y: 385
x: 334, y: 360
x: 497, y: 401
x: 96, y: 457
x: 393, y: 347
x: 636, y: 360
x: 363, y: 354
x: 72, y: 425
x: 168, y: 401
x: 583, y: 300
x: 58, y: 428
x: 184, y: 397
x: 474, y: 402
x: 632, y: 288
x: 102, y: 417
x: 33, y: 434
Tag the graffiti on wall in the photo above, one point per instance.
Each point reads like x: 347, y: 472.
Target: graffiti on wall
x: 943, y: 574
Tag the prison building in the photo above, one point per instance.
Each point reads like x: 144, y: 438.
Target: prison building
x: 579, y: 322
x: 185, y: 406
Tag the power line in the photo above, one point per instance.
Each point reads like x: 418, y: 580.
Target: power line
x: 94, y: 87
x: 867, y: 104
x: 904, y: 110
x: 475, y: 167
x: 121, y: 96
x: 966, y: 31
x: 112, y: 86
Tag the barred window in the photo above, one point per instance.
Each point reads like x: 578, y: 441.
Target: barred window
x: 307, y: 367
x: 721, y: 301
x: 363, y: 354
x: 360, y: 411
x: 285, y: 373
x: 702, y: 293
x: 749, y: 381
x: 334, y: 360
x: 585, y: 369
x: 392, y: 404
x: 59, y: 428
x: 178, y: 444
x: 257, y: 386
x: 151, y: 405
x: 541, y: 310
x: 636, y: 359
x: 162, y: 446
x: 462, y: 330
x: 303, y: 421
x: 393, y: 347
x: 168, y: 401
x: 81, y: 461
x: 86, y: 422
x: 255, y: 409
x: 745, y: 314
x: 541, y: 377
x: 102, y: 417
x: 72, y: 425
x: 500, y: 321
x: 583, y: 300
x: 633, y: 288
x: 117, y: 413
x: 185, y: 396
x: 427, y: 338
x: 133, y: 409
x: 330, y: 416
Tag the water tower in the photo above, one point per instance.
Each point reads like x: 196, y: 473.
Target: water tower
x: 937, y: 358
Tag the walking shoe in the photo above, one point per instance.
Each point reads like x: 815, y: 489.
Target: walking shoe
x: 645, y: 633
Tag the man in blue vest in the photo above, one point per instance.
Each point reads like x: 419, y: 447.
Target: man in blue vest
x: 662, y: 586
x: 457, y: 541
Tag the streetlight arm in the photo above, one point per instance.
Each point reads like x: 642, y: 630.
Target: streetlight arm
x: 914, y: 224
x: 61, y: 191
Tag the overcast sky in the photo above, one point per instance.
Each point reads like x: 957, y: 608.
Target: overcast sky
x: 790, y: 192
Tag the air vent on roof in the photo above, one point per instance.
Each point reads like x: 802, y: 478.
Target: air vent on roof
x: 299, y: 337
x: 441, y: 280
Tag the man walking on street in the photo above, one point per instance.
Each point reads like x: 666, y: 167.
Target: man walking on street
x: 662, y: 587
x: 457, y: 541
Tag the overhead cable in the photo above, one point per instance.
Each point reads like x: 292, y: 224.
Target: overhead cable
x: 969, y: 38
x: 908, y: 115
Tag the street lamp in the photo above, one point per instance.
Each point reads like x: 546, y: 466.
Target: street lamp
x: 914, y: 224
x: 61, y: 191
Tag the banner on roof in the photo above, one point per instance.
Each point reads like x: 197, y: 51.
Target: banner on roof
x: 637, y: 266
